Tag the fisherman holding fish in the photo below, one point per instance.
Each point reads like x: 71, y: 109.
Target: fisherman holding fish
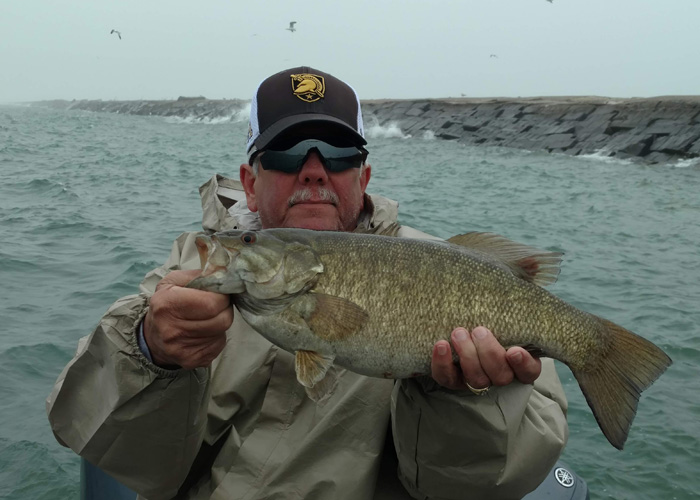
x: 177, y: 394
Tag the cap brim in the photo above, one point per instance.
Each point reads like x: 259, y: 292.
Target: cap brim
x: 280, y: 127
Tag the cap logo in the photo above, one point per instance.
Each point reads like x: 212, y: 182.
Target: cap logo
x: 308, y: 87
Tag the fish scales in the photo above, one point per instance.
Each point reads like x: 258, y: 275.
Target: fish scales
x: 417, y: 292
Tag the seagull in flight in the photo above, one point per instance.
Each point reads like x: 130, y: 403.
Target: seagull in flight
x: 118, y: 33
x: 291, y: 26
x: 494, y: 55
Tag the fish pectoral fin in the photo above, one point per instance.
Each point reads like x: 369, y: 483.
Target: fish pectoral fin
x: 531, y: 264
x: 315, y: 374
x: 334, y: 318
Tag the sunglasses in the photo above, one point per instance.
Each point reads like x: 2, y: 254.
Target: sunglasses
x: 335, y: 159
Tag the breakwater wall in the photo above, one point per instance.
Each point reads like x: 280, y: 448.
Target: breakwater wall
x: 653, y: 130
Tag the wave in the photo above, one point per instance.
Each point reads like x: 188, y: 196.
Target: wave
x: 602, y: 156
x: 46, y: 186
x: 390, y: 130
x: 689, y: 163
x: 237, y: 116
x: 33, y: 470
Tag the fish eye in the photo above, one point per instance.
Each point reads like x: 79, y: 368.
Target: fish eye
x: 248, y: 238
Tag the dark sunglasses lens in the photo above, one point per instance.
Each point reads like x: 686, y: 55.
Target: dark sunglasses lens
x: 281, y: 161
x: 343, y: 163
x: 335, y: 159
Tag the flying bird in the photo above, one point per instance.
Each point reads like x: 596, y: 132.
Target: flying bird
x: 550, y: 1
x: 117, y: 32
x: 291, y: 26
x: 493, y: 55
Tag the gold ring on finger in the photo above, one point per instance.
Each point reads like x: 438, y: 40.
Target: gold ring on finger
x: 478, y: 392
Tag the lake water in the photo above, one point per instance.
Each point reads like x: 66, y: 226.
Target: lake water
x: 91, y: 202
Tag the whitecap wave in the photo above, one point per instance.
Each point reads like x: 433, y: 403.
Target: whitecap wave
x: 236, y: 116
x: 390, y: 130
x: 602, y: 156
x: 688, y: 163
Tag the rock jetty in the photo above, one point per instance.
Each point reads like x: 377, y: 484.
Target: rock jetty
x: 195, y: 108
x: 653, y: 130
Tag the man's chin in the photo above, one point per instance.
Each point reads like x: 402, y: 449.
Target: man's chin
x: 319, y: 217
x: 316, y: 224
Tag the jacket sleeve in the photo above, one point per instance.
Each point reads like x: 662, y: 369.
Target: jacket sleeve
x: 456, y: 445
x: 138, y: 422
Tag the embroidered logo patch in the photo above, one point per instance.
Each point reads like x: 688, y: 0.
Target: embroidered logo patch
x: 308, y: 87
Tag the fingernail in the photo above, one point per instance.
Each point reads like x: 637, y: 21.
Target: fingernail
x: 479, y: 333
x: 516, y: 358
x: 460, y: 334
x: 442, y: 349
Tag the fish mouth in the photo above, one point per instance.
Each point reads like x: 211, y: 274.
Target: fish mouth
x: 213, y: 256
x: 215, y: 262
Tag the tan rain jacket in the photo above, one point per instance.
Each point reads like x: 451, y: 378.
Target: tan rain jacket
x: 244, y: 428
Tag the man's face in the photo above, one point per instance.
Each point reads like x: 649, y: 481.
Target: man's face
x: 313, y: 198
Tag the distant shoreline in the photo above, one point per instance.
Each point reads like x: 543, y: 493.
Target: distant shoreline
x: 658, y: 129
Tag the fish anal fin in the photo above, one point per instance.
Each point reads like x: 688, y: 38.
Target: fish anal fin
x: 315, y: 374
x: 531, y: 264
x: 334, y: 318
x: 535, y: 351
x: 324, y: 388
x: 613, y: 385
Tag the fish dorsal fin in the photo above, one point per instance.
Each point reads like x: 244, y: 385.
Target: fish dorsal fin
x: 315, y: 374
x: 334, y: 318
x: 529, y: 263
x: 381, y: 229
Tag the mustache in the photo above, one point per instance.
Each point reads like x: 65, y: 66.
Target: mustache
x: 306, y: 194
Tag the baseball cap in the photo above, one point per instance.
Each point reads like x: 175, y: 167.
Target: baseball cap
x: 303, y: 95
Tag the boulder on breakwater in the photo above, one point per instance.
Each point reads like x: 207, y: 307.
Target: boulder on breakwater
x: 654, y: 130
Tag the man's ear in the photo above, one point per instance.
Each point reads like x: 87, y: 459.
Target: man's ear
x: 248, y: 181
x: 365, y: 175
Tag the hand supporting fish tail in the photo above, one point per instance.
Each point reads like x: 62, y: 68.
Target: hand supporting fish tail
x: 481, y: 362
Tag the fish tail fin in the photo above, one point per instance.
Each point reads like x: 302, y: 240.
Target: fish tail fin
x: 612, y: 387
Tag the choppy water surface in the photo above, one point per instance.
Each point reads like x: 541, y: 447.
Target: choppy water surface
x: 90, y: 202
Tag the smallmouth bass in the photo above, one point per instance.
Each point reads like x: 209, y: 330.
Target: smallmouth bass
x: 376, y: 304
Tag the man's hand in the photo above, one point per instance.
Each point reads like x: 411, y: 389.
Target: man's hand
x: 483, y: 362
x: 183, y: 326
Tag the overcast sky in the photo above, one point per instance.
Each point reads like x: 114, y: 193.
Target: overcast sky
x: 63, y: 49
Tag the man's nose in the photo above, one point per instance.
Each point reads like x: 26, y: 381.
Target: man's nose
x: 313, y: 171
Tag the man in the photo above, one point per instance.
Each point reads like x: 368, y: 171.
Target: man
x: 175, y: 395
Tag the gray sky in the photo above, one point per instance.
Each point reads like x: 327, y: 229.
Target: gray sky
x: 62, y: 49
